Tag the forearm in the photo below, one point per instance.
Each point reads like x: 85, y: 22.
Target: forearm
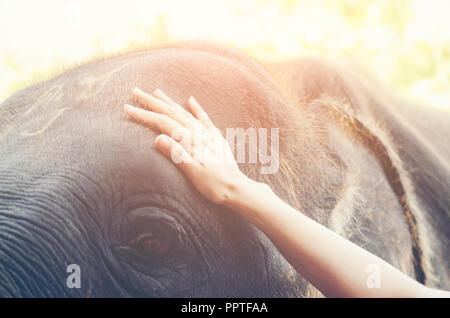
x: 334, y: 265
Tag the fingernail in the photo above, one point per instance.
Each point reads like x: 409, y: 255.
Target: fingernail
x: 162, y: 140
x: 129, y: 107
x: 137, y: 90
x: 192, y: 99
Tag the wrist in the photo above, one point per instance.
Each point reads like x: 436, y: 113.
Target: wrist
x: 243, y: 192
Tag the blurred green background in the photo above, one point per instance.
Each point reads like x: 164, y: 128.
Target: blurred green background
x: 406, y: 42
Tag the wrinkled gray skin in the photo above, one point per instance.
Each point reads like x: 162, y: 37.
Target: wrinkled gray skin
x: 80, y: 183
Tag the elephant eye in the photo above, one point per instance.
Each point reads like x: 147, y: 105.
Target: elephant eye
x: 149, y: 244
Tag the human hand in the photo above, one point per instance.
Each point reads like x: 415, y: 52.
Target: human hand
x: 191, y: 141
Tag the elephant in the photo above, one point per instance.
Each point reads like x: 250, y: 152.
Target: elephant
x: 82, y: 186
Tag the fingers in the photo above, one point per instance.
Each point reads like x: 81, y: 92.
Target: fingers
x: 159, y: 93
x: 156, y: 121
x: 175, y: 152
x: 163, y: 105
x: 150, y: 101
x: 171, y: 119
x: 199, y: 113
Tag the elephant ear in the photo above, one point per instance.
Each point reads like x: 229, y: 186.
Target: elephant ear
x: 420, y: 135
x: 351, y: 97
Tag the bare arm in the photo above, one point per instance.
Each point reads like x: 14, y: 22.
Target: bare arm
x: 334, y: 265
